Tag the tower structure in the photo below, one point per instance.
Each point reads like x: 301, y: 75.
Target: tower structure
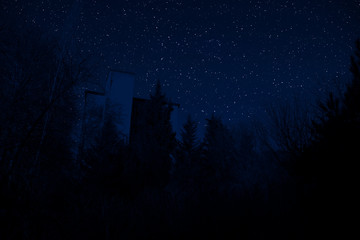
x: 117, y: 101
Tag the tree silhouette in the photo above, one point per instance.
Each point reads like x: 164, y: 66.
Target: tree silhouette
x: 189, y: 144
x: 156, y: 141
x: 352, y: 94
x: 30, y: 61
x: 187, y: 158
x: 218, y: 155
x: 326, y: 168
x: 337, y: 129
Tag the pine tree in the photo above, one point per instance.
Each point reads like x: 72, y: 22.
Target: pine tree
x: 338, y: 129
x: 327, y: 168
x: 189, y: 144
x: 159, y: 114
x: 187, y: 158
x: 157, y: 141
x: 352, y: 94
x: 218, y: 155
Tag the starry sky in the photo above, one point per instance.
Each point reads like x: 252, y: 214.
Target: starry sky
x: 231, y: 58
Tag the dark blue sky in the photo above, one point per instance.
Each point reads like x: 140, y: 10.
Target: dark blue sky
x: 232, y: 58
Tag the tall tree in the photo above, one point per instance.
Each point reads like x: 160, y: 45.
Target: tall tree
x: 327, y: 168
x: 219, y: 160
x: 156, y: 141
x: 338, y: 128
x: 187, y: 158
x: 352, y: 94
x: 30, y: 60
x: 189, y: 144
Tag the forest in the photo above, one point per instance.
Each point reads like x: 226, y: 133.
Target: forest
x: 292, y: 178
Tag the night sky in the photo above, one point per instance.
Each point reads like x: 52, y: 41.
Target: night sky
x: 231, y: 58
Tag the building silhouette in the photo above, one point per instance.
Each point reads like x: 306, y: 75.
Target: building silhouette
x: 118, y: 102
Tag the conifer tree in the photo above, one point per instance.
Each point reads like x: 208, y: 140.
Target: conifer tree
x: 187, y: 159
x: 338, y: 129
x: 218, y: 154
x: 327, y: 166
x: 352, y: 94
x: 189, y: 143
x: 157, y: 142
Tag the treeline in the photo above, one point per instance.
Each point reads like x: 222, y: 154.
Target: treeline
x: 237, y: 182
